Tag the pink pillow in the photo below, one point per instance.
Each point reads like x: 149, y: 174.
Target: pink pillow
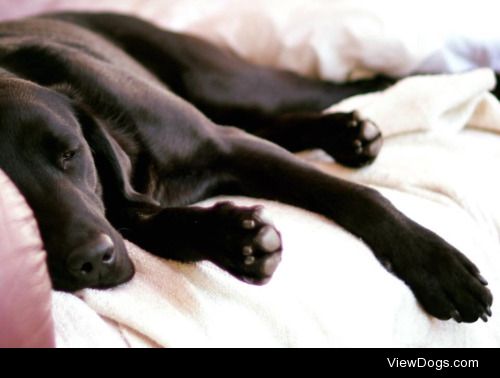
x: 25, y: 289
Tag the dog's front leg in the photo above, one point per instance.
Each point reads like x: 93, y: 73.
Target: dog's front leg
x: 444, y: 281
x: 238, y: 239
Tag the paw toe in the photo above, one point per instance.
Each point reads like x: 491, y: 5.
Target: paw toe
x: 357, y: 143
x: 460, y: 297
x: 249, y: 260
x: 373, y: 148
x: 247, y: 250
x: 369, y: 131
x: 268, y: 239
x: 270, y: 265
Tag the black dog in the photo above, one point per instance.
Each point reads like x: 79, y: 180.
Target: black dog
x: 110, y: 127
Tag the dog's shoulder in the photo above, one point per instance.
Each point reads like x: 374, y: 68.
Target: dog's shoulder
x: 49, y: 49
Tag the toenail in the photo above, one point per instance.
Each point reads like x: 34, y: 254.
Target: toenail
x: 456, y: 315
x: 247, y: 250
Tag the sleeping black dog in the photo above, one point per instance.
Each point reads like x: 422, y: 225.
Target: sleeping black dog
x: 111, y: 127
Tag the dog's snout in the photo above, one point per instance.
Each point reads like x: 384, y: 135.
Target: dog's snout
x: 93, y: 260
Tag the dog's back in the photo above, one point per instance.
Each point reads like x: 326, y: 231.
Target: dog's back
x: 51, y: 34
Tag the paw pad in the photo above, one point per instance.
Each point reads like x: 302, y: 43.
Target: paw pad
x: 350, y: 139
x: 268, y: 239
x: 250, y: 248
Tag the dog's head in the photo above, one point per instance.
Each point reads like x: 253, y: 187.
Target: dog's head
x: 50, y: 156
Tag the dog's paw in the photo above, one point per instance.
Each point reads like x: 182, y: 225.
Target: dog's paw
x: 446, y: 283
x: 249, y: 246
x: 349, y: 139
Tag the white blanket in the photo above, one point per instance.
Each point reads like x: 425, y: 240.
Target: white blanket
x: 329, y: 289
x: 333, y: 39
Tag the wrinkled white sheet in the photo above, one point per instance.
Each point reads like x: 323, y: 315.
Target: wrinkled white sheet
x: 334, y: 39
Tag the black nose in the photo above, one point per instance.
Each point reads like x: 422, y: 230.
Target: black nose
x: 92, y: 261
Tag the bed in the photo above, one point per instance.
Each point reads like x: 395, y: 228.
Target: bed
x: 438, y: 165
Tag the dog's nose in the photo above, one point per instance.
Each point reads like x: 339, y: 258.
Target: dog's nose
x: 93, y: 260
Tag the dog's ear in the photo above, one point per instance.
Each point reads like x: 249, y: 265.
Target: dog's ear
x: 113, y: 167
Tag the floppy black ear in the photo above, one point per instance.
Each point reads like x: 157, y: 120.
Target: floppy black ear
x: 113, y: 167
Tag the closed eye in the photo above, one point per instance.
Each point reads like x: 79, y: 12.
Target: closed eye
x: 67, y: 157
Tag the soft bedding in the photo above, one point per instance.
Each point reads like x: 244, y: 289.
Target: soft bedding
x: 438, y: 165
x: 329, y: 289
x: 333, y: 39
